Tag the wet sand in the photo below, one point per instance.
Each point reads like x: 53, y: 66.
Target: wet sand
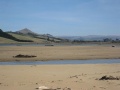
x: 59, y: 52
x: 59, y: 77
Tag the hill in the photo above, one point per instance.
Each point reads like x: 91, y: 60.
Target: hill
x: 48, y: 37
x: 8, y: 36
x: 5, y: 40
x: 25, y: 31
x: 26, y: 35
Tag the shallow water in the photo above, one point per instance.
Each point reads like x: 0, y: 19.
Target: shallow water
x: 58, y: 62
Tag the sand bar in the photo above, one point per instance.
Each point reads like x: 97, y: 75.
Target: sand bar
x: 59, y: 52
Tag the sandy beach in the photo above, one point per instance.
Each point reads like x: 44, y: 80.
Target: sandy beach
x: 59, y: 52
x: 59, y: 77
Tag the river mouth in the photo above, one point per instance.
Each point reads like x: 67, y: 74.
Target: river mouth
x: 60, y: 62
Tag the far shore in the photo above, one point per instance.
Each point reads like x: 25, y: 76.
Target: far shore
x: 45, y: 53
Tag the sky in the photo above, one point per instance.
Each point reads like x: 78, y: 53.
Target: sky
x: 61, y: 17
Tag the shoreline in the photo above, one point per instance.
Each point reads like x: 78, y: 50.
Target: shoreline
x: 66, y: 62
x: 57, y: 60
x: 44, y: 60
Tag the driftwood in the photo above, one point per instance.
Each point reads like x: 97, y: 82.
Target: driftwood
x: 109, y: 78
x: 24, y: 56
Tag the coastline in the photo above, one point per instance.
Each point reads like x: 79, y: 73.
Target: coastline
x: 46, y: 53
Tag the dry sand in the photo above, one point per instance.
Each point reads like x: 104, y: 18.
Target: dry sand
x: 59, y: 52
x: 59, y: 77
x: 63, y: 77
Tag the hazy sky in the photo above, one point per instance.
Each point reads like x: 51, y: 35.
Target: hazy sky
x: 61, y: 17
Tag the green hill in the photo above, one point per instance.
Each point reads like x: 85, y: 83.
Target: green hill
x: 18, y: 38
x: 5, y: 40
x: 8, y: 36
x: 27, y: 37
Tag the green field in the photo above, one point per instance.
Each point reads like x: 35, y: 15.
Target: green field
x: 22, y: 37
x: 5, y: 40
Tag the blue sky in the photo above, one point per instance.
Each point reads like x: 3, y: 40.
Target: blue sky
x: 62, y: 17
